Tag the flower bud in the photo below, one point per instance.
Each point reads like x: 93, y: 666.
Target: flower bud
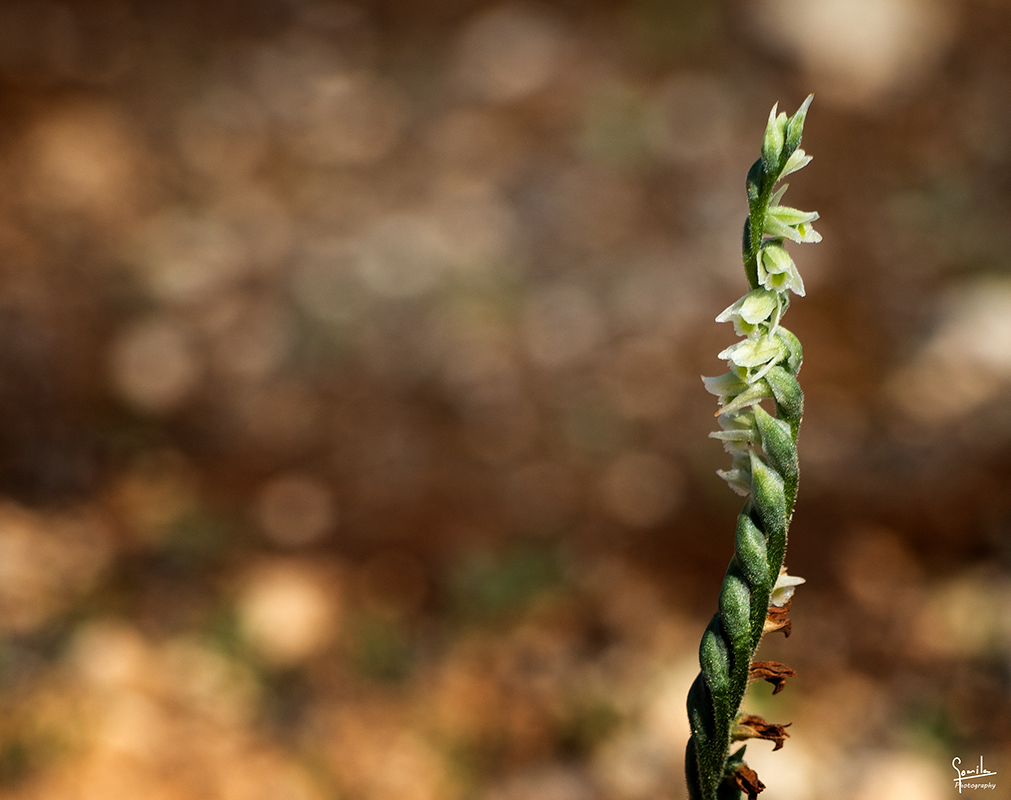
x: 795, y: 127
x: 772, y: 144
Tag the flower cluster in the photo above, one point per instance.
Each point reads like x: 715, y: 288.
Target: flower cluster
x: 773, y: 276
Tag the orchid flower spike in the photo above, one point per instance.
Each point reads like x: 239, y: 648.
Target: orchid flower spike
x: 760, y: 408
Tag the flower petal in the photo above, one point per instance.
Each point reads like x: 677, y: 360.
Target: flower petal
x: 755, y: 307
x: 758, y: 305
x: 807, y: 234
x: 726, y: 385
x: 798, y: 160
x: 784, y: 588
x: 792, y: 216
x: 776, y: 270
x: 801, y: 233
x: 752, y: 352
x: 756, y: 393
x: 738, y: 480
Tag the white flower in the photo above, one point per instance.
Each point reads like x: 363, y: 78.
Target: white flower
x: 784, y: 222
x: 753, y: 352
x: 752, y: 359
x: 776, y: 270
x: 784, y: 588
x: 797, y: 161
x: 724, y: 386
x: 740, y: 431
x: 755, y: 307
x: 737, y: 479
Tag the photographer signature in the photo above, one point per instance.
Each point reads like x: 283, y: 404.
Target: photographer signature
x: 969, y: 775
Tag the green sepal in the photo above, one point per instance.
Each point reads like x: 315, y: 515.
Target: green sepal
x: 794, y: 351
x: 698, y: 700
x: 780, y: 449
x: 735, y: 758
x: 772, y: 143
x: 715, y: 662
x: 795, y: 128
x: 728, y: 789
x: 754, y: 183
x: 735, y: 620
x: 705, y: 759
x: 769, y: 501
x: 749, y: 254
x: 788, y: 395
x: 692, y: 776
x: 751, y: 554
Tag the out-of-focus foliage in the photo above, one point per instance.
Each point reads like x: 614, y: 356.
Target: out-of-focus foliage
x: 351, y: 437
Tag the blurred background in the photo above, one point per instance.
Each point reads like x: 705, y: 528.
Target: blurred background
x: 352, y: 442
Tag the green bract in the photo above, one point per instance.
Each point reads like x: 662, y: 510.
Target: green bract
x: 762, y: 368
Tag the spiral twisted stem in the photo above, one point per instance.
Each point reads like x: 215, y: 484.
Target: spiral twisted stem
x: 763, y: 367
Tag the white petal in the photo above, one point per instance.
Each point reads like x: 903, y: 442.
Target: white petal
x: 724, y: 385
x: 784, y: 588
x: 752, y: 352
x: 738, y: 480
x: 797, y: 161
x: 801, y: 233
x: 776, y: 258
x: 735, y: 436
x: 792, y: 216
x: 758, y: 305
x: 808, y: 234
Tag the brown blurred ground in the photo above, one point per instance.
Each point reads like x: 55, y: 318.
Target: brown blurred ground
x: 351, y: 437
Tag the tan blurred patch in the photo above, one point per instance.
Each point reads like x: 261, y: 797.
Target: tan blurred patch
x: 860, y: 52
x: 288, y: 610
x: 86, y: 158
x: 47, y: 562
